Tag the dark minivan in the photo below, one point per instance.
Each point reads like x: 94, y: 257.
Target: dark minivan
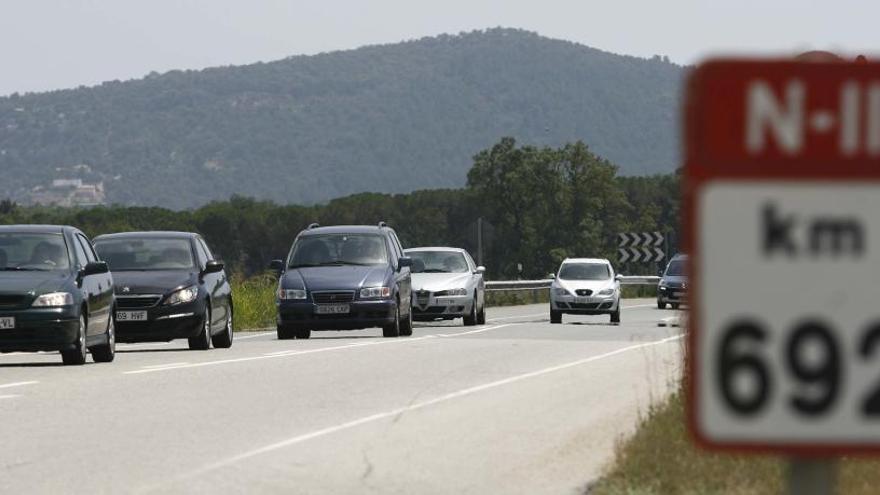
x: 55, y: 294
x: 344, y: 278
x: 168, y: 286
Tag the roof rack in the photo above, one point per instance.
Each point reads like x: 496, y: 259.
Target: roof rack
x: 382, y: 224
x: 314, y: 225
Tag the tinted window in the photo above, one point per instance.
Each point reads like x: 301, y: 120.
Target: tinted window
x: 208, y: 252
x: 202, y: 253
x: 27, y: 251
x: 584, y: 271
x: 79, y: 251
x: 675, y: 268
x: 438, y: 262
x: 146, y: 254
x: 87, y: 248
x: 355, y: 249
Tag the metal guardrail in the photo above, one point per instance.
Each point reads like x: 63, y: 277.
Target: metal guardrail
x: 504, y: 285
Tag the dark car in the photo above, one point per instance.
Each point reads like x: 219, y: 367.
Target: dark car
x: 673, y: 285
x: 344, y: 278
x: 168, y: 286
x: 55, y: 294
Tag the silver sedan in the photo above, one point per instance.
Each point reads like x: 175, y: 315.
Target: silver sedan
x: 447, y: 284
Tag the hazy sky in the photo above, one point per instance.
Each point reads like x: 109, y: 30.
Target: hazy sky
x: 51, y: 44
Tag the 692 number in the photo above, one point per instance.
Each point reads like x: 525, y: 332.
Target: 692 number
x: 818, y: 379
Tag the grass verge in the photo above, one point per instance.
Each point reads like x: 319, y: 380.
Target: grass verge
x: 254, y: 301
x: 660, y: 459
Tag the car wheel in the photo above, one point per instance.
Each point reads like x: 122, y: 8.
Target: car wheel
x: 661, y: 304
x: 302, y: 333
x: 675, y: 305
x: 77, y: 355
x: 555, y: 316
x: 284, y: 333
x: 615, y: 316
x: 481, y: 316
x: 393, y: 329
x: 471, y: 319
x: 223, y: 340
x: 105, y: 353
x: 406, y: 327
x: 203, y: 341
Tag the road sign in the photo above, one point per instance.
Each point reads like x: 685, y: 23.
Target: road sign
x: 782, y: 220
x: 640, y: 246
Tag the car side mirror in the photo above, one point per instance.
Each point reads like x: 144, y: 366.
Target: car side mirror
x: 95, y: 268
x: 405, y: 261
x: 618, y: 277
x: 276, y: 265
x: 213, y: 266
x: 553, y: 276
x: 481, y: 270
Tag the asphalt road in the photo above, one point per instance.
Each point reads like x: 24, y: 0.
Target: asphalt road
x: 514, y: 406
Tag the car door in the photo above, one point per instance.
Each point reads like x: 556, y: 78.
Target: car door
x: 401, y: 274
x: 477, y: 279
x: 98, y: 288
x: 214, y: 283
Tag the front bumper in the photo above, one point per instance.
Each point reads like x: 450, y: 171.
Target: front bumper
x: 50, y: 329
x: 671, y: 295
x: 601, y: 305
x: 362, y: 314
x: 163, y: 324
x: 431, y: 307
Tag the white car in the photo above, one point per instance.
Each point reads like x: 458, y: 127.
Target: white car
x: 585, y: 286
x: 447, y: 284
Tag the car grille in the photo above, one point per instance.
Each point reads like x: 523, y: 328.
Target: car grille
x: 584, y: 292
x: 11, y: 301
x: 145, y: 301
x: 422, y: 297
x: 333, y: 297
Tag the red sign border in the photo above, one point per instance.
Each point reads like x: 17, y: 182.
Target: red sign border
x: 694, y: 178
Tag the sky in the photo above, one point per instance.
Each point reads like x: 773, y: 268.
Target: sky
x: 55, y: 44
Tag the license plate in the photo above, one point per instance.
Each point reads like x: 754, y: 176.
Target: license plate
x: 7, y: 323
x: 332, y: 309
x: 584, y: 300
x: 677, y: 294
x: 445, y: 302
x: 131, y: 316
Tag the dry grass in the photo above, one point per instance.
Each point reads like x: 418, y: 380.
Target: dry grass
x: 660, y: 459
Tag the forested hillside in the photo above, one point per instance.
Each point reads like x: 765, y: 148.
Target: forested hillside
x: 388, y: 119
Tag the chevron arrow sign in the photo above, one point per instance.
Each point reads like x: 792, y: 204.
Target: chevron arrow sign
x: 640, y: 247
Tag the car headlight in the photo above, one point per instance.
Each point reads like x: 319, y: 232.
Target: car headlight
x: 606, y: 292
x: 375, y: 292
x: 451, y: 292
x: 559, y: 291
x: 53, y: 299
x: 291, y: 294
x: 185, y: 295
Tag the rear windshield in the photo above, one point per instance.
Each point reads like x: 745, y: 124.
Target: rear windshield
x: 27, y: 251
x: 146, y: 254
x: 339, y: 249
x: 675, y: 269
x: 584, y: 271
x: 438, y: 262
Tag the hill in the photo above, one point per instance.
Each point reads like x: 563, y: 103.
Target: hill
x: 389, y: 118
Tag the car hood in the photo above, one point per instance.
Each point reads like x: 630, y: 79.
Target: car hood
x: 36, y: 282
x: 440, y: 281
x: 345, y: 277
x: 152, y: 282
x: 593, y: 285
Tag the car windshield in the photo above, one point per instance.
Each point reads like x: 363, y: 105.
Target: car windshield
x: 135, y: 254
x: 584, y: 271
x: 26, y: 251
x: 338, y: 249
x: 438, y: 262
x: 675, y: 269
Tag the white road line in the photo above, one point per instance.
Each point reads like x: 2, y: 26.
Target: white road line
x: 547, y: 313
x: 275, y: 355
x: 414, y: 407
x: 157, y: 366
x: 243, y: 337
x: 474, y: 331
x: 145, y: 344
x: 8, y: 396
x: 18, y: 384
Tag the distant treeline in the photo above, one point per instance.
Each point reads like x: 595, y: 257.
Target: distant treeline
x: 538, y: 206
